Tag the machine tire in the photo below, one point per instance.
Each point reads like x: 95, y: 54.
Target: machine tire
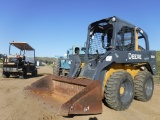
x: 112, y: 94
x: 34, y: 73
x: 6, y: 74
x: 56, y: 66
x: 144, y: 86
x: 23, y: 75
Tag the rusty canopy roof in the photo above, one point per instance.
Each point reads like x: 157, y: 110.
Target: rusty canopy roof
x: 22, y: 45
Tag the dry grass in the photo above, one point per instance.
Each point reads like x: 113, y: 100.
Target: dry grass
x: 157, y: 79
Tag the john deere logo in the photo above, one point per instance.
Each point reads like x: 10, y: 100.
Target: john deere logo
x: 134, y: 56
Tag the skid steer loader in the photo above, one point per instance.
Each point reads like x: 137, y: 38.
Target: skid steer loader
x: 117, y: 67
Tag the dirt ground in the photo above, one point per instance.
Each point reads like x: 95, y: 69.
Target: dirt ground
x: 15, y: 105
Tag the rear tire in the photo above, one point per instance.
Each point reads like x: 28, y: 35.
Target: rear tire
x: 6, y: 74
x: 23, y: 75
x: 56, y: 66
x: 119, y: 91
x: 34, y: 73
x: 144, y: 86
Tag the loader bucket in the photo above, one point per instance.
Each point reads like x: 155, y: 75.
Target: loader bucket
x: 65, y: 96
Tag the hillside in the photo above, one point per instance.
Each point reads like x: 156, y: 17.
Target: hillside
x: 48, y: 60
x: 158, y: 62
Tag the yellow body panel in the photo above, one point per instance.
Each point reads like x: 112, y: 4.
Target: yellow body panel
x: 82, y: 65
x: 136, y: 39
x: 133, y: 70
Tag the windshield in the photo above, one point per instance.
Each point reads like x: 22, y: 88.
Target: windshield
x: 14, y: 52
x: 100, y: 38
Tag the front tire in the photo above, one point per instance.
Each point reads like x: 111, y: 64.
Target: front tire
x: 119, y: 91
x: 144, y: 86
x: 23, y: 75
x: 6, y: 74
x: 34, y: 73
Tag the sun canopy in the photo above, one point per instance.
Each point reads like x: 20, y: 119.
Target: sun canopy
x: 22, y: 45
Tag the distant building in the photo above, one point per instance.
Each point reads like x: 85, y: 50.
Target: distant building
x: 38, y: 63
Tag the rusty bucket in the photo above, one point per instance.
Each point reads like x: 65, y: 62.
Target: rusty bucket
x: 65, y: 96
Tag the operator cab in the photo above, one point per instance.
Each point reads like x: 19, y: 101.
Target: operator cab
x: 114, y: 34
x: 77, y: 50
x: 100, y: 39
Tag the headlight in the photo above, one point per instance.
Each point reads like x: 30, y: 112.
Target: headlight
x: 141, y: 31
x: 113, y: 19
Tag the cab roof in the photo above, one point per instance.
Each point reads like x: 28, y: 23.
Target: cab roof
x: 22, y: 45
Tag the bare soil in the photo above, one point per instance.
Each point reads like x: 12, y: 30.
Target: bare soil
x: 15, y: 105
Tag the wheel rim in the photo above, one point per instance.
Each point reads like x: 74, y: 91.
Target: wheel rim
x: 126, y: 91
x: 122, y: 89
x: 149, y: 87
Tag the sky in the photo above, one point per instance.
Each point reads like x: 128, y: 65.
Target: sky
x: 53, y: 26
